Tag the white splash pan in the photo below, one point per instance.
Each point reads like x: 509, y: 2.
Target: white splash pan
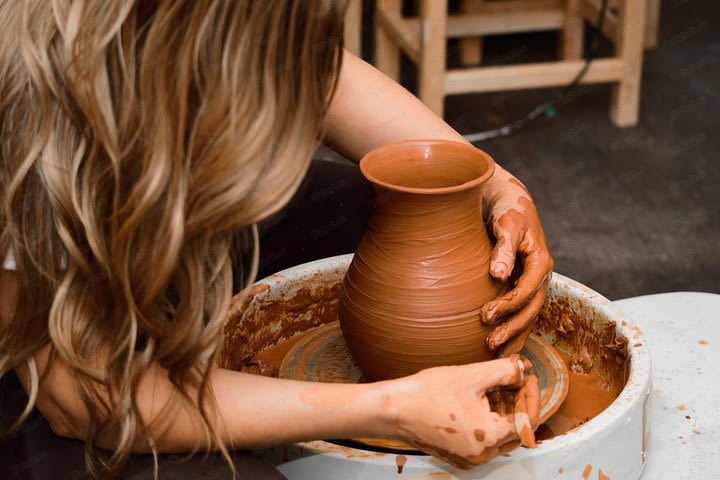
x: 613, y: 442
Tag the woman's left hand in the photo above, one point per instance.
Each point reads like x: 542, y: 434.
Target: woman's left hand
x: 514, y: 221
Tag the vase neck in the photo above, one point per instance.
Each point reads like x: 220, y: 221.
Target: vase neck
x: 399, y: 214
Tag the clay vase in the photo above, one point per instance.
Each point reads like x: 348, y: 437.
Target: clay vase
x: 411, y: 298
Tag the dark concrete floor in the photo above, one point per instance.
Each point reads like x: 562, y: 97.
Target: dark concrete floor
x: 627, y: 211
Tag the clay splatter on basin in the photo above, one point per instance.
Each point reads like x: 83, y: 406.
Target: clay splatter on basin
x: 259, y: 340
x: 615, y: 440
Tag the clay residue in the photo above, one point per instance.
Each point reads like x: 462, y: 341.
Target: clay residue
x: 588, y: 395
x: 240, y: 303
x: 317, y: 355
x: 400, y: 461
x: 581, y: 362
x: 268, y: 361
x: 527, y: 437
x: 254, y: 328
x: 463, y: 462
x: 508, y: 447
x: 349, y: 452
x: 574, y: 328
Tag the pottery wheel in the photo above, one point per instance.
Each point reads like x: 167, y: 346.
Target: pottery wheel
x: 322, y: 356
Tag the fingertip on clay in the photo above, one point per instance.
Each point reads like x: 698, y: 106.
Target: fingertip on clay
x: 499, y: 271
x: 489, y: 308
x: 487, y: 313
x: 497, y: 338
x: 491, y: 344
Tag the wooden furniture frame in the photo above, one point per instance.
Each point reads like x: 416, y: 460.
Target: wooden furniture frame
x: 423, y: 40
x: 471, y: 48
x: 353, y: 27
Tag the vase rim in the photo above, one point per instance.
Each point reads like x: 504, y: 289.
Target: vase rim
x: 370, y: 159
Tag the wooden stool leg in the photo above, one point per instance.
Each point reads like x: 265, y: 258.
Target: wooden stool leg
x: 629, y: 45
x: 353, y: 28
x: 431, y: 67
x: 653, y: 20
x: 572, y: 34
x: 470, y: 48
x: 387, y: 53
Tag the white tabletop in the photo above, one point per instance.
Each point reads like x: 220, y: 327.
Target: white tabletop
x: 682, y: 331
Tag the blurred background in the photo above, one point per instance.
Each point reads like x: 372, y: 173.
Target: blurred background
x: 624, y: 170
x: 628, y: 210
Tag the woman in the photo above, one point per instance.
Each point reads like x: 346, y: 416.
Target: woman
x: 136, y: 137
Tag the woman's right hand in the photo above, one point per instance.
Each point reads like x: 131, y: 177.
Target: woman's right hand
x: 445, y: 411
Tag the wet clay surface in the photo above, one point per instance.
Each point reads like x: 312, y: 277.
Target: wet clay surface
x: 320, y: 355
x: 412, y: 295
x: 588, y: 395
x: 597, y: 359
x: 247, y: 329
x: 268, y: 361
x: 573, y: 327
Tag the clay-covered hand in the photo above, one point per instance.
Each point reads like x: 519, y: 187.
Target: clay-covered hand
x: 444, y: 411
x: 514, y: 221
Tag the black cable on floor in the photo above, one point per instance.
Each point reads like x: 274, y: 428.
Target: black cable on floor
x: 549, y: 107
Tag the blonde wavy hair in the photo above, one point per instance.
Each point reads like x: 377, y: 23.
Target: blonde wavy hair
x: 135, y: 137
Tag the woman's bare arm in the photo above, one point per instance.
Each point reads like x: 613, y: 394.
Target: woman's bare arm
x: 369, y: 109
x: 254, y: 411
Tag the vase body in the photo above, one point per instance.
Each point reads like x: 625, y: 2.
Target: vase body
x: 412, y: 295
